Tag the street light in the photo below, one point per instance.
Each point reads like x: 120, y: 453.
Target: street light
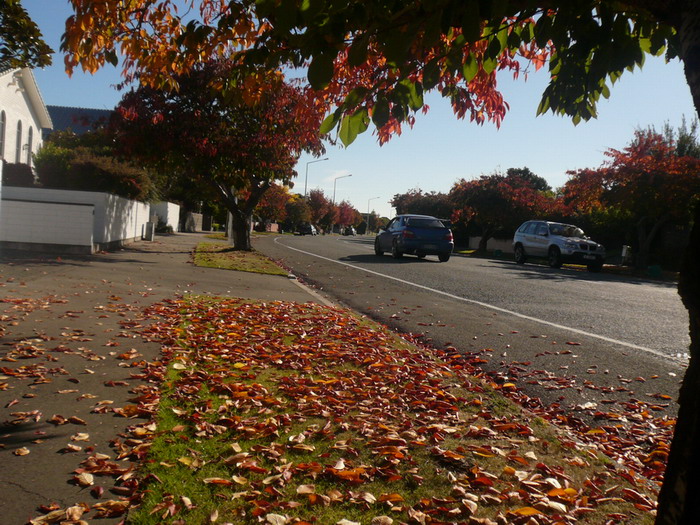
x: 368, y: 201
x: 306, y: 177
x: 336, y: 180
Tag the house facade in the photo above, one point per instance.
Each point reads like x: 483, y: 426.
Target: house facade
x: 23, y: 115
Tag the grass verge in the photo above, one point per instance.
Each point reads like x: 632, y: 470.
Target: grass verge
x: 286, y: 413
x: 216, y: 255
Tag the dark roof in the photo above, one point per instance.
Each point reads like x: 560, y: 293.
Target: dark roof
x: 79, y: 120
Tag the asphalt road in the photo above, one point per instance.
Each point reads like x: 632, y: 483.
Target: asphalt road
x: 600, y: 328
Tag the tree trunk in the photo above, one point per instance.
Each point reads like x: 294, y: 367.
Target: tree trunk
x: 240, y: 212
x: 679, y: 503
x: 645, y: 240
x: 240, y: 230
x: 485, y: 237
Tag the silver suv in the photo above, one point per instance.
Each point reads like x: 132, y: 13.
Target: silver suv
x: 559, y: 243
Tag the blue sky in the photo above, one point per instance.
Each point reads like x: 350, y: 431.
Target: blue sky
x: 440, y: 149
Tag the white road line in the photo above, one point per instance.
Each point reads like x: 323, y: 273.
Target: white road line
x: 485, y: 305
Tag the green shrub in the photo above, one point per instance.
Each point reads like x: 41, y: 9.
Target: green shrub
x: 17, y: 174
x: 81, y: 169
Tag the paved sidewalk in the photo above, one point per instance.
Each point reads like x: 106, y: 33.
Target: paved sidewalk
x: 66, y: 340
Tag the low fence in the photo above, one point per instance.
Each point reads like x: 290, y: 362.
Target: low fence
x: 504, y: 245
x: 168, y: 214
x: 57, y: 227
x: 67, y: 220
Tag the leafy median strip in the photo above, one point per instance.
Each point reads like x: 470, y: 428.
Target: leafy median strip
x: 220, y: 255
x: 287, y: 413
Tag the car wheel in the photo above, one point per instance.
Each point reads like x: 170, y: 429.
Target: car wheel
x: 595, y: 267
x: 395, y: 252
x: 554, y: 257
x: 444, y: 257
x: 520, y: 257
x: 420, y: 255
x: 377, y: 249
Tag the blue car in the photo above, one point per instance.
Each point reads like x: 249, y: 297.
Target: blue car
x: 419, y: 235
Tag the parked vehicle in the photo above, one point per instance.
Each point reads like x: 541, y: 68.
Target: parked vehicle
x: 559, y: 243
x: 420, y: 235
x: 307, y: 229
x: 349, y: 230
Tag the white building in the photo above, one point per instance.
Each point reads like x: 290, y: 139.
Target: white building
x: 23, y: 115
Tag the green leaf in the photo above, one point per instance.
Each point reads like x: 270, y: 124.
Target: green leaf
x: 357, y: 54
x: 353, y: 98
x: 329, y: 123
x: 396, y: 45
x: 544, y: 105
x: 471, y: 21
x: 543, y: 29
x: 502, y: 36
x: 415, y: 94
x: 432, y: 31
x: 470, y: 68
x: 380, y: 112
x: 286, y: 15
x: 431, y: 74
x: 321, y: 70
x: 494, y: 48
x: 353, y: 125
x: 513, y: 40
x: 489, y: 65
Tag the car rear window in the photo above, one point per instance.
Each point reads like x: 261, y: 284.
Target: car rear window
x: 424, y: 223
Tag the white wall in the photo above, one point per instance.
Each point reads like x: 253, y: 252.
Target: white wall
x: 115, y: 219
x: 46, y: 223
x: 14, y: 101
x: 167, y: 212
x: 505, y: 245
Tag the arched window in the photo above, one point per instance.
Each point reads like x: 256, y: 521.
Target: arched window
x: 30, y: 139
x: 18, y: 146
x: 2, y: 134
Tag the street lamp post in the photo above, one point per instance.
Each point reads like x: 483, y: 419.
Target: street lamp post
x: 336, y: 180
x: 368, y: 201
x: 306, y: 177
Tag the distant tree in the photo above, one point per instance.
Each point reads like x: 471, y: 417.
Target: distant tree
x: 298, y: 212
x: 273, y: 204
x: 347, y: 214
x: 21, y: 42
x: 685, y: 138
x: 538, y: 183
x: 497, y: 202
x: 319, y: 205
x: 235, y: 145
x: 415, y: 201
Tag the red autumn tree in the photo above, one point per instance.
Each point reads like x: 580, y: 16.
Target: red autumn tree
x: 647, y: 180
x: 235, y: 147
x: 429, y: 203
x: 499, y: 202
x: 319, y: 205
x: 347, y: 214
x: 273, y: 204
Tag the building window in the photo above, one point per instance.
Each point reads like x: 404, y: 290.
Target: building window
x: 30, y: 139
x: 18, y: 146
x: 2, y: 134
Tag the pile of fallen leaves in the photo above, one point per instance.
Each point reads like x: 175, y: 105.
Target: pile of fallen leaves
x: 286, y: 413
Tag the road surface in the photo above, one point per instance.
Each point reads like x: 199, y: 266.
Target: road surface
x: 600, y: 329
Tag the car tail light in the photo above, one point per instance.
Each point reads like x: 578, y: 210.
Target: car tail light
x: 408, y: 234
x: 449, y: 237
